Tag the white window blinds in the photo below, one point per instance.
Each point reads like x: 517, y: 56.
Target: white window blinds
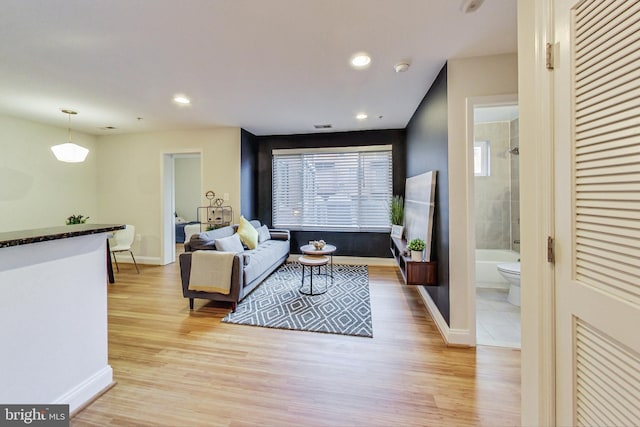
x: 341, y: 189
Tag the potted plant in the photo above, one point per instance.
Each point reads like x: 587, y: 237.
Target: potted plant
x: 76, y: 219
x: 416, y: 246
x: 397, y: 216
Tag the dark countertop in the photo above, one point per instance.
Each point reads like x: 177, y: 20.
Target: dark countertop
x: 24, y: 237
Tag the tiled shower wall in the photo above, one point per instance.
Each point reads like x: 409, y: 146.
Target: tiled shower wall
x: 497, y: 203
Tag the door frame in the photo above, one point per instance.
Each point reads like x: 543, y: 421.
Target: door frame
x: 472, y: 103
x: 168, y: 203
x: 535, y: 29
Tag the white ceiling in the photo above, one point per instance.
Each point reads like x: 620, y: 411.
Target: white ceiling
x: 269, y: 66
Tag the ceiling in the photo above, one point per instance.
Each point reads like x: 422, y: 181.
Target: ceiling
x: 268, y: 66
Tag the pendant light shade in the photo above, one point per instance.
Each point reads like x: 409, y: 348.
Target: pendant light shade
x: 70, y: 152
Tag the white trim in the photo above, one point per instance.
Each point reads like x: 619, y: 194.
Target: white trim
x: 167, y: 201
x: 350, y: 149
x: 455, y: 337
x: 168, y: 208
x: 535, y: 29
x: 87, y: 390
x: 472, y: 103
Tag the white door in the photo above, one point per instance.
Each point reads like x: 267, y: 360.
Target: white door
x: 597, y: 204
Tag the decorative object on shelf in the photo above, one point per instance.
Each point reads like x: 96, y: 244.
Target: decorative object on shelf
x: 76, y: 219
x: 213, y: 201
x: 396, y: 231
x: 419, y: 206
x: 318, y: 244
x: 70, y: 152
x: 397, y: 216
x: 397, y: 210
x: 215, y: 215
x: 416, y: 246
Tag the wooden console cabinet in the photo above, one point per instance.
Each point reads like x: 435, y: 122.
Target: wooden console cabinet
x: 413, y: 272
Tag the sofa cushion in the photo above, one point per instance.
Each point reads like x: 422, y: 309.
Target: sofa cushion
x: 206, y: 240
x: 230, y: 244
x: 263, y: 257
x: 248, y: 234
x: 263, y: 234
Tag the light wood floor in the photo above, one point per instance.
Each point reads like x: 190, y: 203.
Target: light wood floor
x: 174, y: 367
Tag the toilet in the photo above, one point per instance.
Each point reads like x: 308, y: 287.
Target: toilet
x: 511, y: 272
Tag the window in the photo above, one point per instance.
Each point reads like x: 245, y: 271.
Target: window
x: 341, y: 189
x: 481, y: 166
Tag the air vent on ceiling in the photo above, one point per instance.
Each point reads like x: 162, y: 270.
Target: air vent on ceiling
x: 327, y: 126
x: 108, y: 128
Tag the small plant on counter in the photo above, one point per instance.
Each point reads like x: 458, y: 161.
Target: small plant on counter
x: 416, y: 245
x: 76, y: 219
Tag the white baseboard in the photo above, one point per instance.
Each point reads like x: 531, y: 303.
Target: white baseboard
x: 453, y: 337
x: 87, y: 390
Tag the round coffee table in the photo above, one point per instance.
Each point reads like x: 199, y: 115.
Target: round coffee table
x: 313, y: 261
x: 326, y: 250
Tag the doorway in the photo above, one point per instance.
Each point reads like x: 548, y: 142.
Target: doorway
x: 182, y: 191
x: 494, y: 245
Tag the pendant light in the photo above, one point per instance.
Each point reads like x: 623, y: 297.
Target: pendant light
x: 70, y: 152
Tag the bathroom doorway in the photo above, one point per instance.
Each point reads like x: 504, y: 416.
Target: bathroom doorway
x: 496, y: 213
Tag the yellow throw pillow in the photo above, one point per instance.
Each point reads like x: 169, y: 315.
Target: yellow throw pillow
x: 248, y: 234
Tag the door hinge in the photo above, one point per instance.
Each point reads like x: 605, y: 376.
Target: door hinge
x: 549, y: 56
x: 550, y: 254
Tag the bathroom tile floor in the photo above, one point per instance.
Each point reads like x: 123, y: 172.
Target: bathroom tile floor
x: 497, y: 320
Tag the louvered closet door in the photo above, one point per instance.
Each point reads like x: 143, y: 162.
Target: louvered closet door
x: 597, y: 202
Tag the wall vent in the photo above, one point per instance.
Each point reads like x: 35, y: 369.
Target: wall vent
x: 327, y: 126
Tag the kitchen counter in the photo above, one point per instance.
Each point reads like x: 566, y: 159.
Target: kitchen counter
x: 53, y: 312
x: 24, y: 237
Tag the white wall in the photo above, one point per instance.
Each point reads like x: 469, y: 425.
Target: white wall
x: 36, y: 190
x: 187, y: 184
x: 130, y: 178
x: 468, y: 78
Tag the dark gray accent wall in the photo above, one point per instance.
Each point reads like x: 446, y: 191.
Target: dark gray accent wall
x: 348, y: 243
x: 248, y: 175
x: 427, y: 149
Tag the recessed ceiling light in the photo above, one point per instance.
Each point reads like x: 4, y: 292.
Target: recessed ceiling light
x: 360, y: 60
x: 361, y: 116
x: 181, y: 99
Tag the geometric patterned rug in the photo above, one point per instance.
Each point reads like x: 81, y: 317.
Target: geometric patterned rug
x: 277, y: 303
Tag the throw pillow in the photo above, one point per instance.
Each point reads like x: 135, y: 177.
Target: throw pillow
x: 263, y: 234
x: 230, y: 244
x: 248, y: 234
